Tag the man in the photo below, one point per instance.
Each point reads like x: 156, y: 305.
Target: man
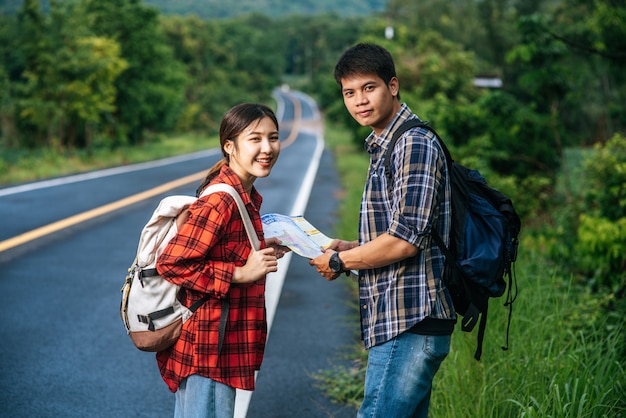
x: 407, y: 316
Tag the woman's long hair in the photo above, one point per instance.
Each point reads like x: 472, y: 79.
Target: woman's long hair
x: 234, y: 122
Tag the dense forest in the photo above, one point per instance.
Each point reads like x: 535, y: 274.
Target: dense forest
x: 217, y: 9
x: 87, y: 75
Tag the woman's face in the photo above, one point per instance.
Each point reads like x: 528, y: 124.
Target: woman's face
x: 254, y: 152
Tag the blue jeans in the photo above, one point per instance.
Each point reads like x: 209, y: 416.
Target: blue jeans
x: 201, y: 397
x: 399, y: 376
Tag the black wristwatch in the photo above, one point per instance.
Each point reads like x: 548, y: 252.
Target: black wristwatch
x: 335, y: 263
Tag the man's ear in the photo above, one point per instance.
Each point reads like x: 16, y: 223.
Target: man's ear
x: 394, y: 86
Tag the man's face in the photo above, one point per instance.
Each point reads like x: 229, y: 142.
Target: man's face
x: 369, y: 100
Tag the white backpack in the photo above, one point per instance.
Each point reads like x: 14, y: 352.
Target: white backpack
x: 150, y: 309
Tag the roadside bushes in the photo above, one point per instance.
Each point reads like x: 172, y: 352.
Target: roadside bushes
x: 601, y: 235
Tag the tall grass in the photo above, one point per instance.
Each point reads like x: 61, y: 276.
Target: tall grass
x: 566, y: 353
x: 562, y: 361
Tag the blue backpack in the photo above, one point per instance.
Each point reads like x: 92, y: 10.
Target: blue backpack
x: 483, y: 242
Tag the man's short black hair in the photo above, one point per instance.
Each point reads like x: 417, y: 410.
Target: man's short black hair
x: 365, y: 59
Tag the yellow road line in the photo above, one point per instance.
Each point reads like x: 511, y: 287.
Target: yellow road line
x: 93, y: 213
x: 295, y: 127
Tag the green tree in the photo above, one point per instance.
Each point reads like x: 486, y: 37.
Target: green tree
x: 150, y: 90
x: 482, y: 27
x: 258, y: 52
x: 11, y: 64
x: 314, y: 47
x: 595, y: 32
x: 227, y: 62
x: 91, y: 94
x: 568, y: 64
x: 193, y: 42
x: 219, y: 9
x: 69, y: 74
x: 36, y: 57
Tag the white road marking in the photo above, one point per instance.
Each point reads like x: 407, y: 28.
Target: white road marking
x: 274, y: 283
x: 106, y: 172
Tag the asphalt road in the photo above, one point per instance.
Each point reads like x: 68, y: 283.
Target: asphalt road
x: 64, y: 351
x: 313, y: 326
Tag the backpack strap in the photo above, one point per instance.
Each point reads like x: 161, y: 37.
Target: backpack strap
x: 254, y: 242
x: 406, y: 125
x: 223, y: 187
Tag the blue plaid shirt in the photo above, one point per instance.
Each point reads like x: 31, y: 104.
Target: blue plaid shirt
x: 396, y: 297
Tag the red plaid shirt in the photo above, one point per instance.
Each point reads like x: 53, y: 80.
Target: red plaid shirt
x: 201, y: 259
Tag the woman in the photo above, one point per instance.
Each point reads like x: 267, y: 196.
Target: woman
x: 211, y: 254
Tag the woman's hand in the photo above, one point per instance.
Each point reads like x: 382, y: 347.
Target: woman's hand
x: 259, y: 263
x: 279, y: 250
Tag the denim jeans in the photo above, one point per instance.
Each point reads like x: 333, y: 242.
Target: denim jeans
x: 399, y: 376
x: 201, y: 397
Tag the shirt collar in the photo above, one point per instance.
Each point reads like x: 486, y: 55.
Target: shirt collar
x: 383, y: 139
x: 228, y: 176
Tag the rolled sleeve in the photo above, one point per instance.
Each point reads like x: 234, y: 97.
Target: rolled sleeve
x: 222, y: 277
x: 414, y: 189
x: 403, y: 228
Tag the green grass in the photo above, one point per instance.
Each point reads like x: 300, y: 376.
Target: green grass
x: 352, y: 165
x: 566, y: 352
x: 565, y: 358
x: 19, y: 165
